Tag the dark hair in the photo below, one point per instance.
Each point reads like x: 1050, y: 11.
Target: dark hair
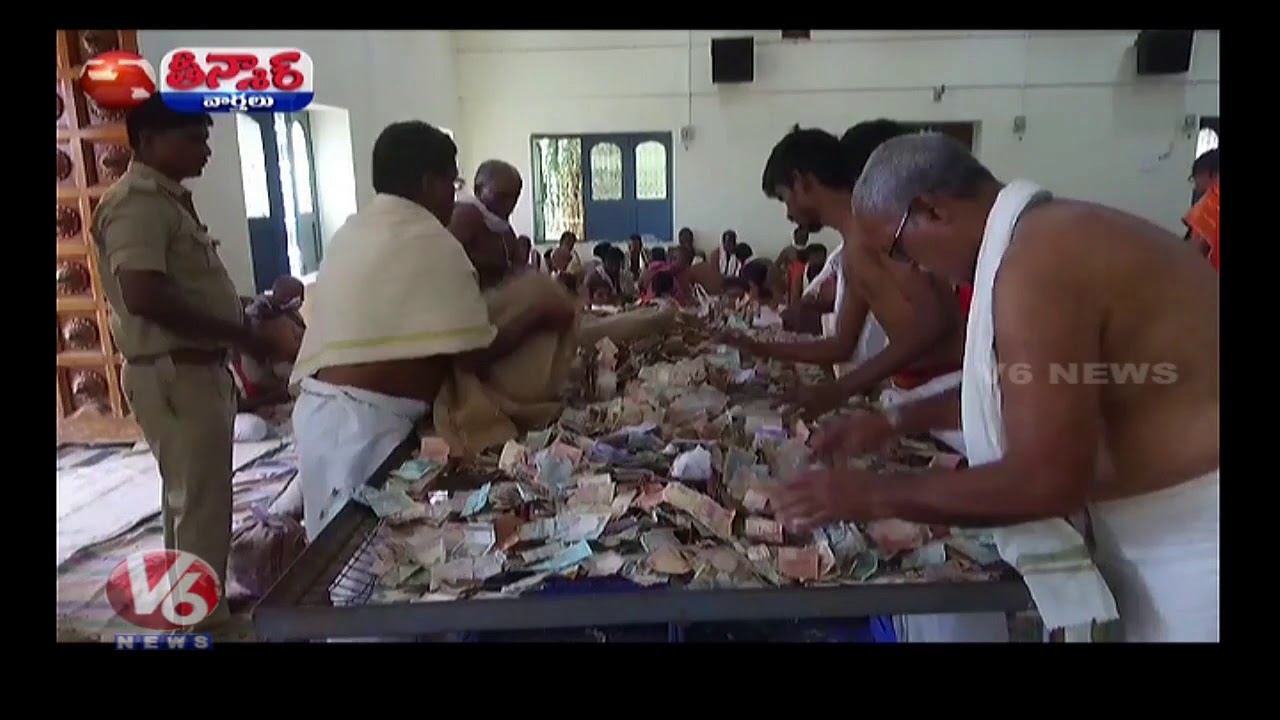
x: 742, y: 251
x: 736, y: 283
x: 1206, y: 164
x: 615, y: 254
x: 636, y: 237
x: 684, y: 230
x: 811, y: 252
x: 406, y: 152
x: 813, y: 151
x: 859, y: 141
x: 568, y: 234
x: 597, y: 282
x: 153, y: 115
x: 548, y: 253
x: 756, y: 273
x: 663, y: 283
x: 658, y: 254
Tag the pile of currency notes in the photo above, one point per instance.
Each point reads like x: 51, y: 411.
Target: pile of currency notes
x: 659, y: 473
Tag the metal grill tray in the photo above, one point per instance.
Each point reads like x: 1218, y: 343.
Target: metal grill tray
x: 300, y: 605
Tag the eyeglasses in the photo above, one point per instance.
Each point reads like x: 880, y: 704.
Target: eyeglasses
x: 895, y: 248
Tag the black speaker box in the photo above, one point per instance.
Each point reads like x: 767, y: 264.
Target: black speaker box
x: 733, y: 60
x: 1164, y: 52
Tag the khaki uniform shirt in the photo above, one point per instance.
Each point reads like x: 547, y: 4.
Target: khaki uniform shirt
x: 146, y: 221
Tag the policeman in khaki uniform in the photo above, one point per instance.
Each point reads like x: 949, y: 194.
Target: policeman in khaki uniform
x: 176, y: 314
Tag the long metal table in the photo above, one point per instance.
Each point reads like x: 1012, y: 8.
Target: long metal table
x: 300, y: 605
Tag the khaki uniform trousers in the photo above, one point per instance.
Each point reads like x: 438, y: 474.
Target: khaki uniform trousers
x: 187, y: 412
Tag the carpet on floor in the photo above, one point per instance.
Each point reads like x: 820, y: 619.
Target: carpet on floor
x: 83, y: 609
x: 104, y: 493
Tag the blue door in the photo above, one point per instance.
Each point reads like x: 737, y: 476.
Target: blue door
x: 277, y: 169
x: 627, y: 186
x: 607, y: 208
x: 651, y: 173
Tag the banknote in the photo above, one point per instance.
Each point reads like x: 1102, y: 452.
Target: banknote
x: 763, y: 530
x: 801, y: 563
x: 605, y: 564
x: 514, y: 460
x: 391, y: 504
x: 565, y: 559
x: 702, y: 508
x: 416, y: 469
x: 658, y: 538
x: 755, y: 501
x: 668, y: 560
x: 593, y: 491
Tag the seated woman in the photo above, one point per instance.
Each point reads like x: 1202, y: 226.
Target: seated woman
x: 761, y: 283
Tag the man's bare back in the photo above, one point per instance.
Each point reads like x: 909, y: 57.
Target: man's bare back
x: 878, y: 281
x: 1141, y: 292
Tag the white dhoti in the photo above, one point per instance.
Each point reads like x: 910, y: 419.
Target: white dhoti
x: 1159, y: 554
x: 343, y: 435
x: 949, y: 628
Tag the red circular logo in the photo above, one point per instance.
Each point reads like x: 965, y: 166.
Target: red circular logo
x: 118, y: 80
x: 163, y: 589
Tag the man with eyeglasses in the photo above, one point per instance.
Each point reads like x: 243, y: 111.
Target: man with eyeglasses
x: 1091, y: 380
x: 398, y: 313
x: 482, y: 222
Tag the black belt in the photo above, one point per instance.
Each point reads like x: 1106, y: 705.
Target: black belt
x: 183, y: 356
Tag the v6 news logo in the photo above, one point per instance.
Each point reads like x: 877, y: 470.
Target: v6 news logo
x: 163, y: 589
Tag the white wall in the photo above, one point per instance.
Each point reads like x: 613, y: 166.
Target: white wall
x: 379, y: 76
x: 335, y: 163
x: 1094, y: 130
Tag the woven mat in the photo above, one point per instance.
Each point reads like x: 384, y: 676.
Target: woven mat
x: 83, y: 610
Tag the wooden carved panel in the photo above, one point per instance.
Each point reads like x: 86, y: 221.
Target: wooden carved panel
x: 66, y: 166
x: 92, y: 153
x: 89, y: 387
x: 96, y: 42
x: 69, y: 222
x: 73, y: 278
x: 79, y: 333
x: 109, y: 162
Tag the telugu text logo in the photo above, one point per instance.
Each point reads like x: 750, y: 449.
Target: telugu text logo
x: 118, y: 80
x: 240, y: 79
x: 163, y: 589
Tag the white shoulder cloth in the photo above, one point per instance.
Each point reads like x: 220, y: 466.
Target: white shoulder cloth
x: 394, y: 285
x: 1050, y: 555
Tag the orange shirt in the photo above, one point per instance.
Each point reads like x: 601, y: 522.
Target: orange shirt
x: 1203, y: 221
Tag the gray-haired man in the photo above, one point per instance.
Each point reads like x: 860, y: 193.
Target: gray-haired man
x: 1090, y: 381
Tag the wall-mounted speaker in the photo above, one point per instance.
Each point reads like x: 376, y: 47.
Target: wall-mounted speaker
x: 1164, y: 52
x: 733, y: 60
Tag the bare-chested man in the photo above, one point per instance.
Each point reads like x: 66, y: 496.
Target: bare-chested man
x: 813, y: 175
x: 1091, y: 381
x: 482, y: 222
